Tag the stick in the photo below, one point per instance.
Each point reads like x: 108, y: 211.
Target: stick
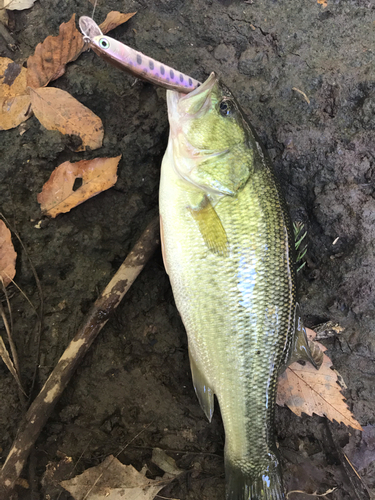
x: 43, y: 405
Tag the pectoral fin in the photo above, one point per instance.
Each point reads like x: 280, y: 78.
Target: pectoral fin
x: 203, y: 391
x: 301, y: 349
x: 210, y: 227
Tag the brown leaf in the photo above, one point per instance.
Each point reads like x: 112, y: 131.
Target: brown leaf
x: 12, y: 78
x: 111, y: 480
x: 305, y: 389
x: 113, y: 20
x: 50, y: 57
x: 57, y: 195
x: 7, y: 255
x: 58, y: 110
x: 14, y: 99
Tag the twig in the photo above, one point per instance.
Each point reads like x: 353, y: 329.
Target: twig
x: 43, y: 405
x: 331, y: 490
x: 303, y: 94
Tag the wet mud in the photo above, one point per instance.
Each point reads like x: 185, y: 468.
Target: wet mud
x: 304, y: 74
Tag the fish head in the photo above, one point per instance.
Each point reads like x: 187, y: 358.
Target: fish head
x: 210, y: 138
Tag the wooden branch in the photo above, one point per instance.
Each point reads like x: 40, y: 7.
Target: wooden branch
x: 43, y: 405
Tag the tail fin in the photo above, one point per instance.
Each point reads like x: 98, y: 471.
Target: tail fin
x: 241, y: 486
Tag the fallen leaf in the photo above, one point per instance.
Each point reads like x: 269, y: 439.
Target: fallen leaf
x: 7, y: 255
x: 12, y: 78
x: 304, y: 389
x: 165, y: 462
x: 16, y: 4
x: 50, y: 57
x: 14, y: 99
x: 58, y: 110
x: 14, y: 111
x: 323, y: 3
x: 113, y: 20
x: 97, y: 175
x: 111, y: 480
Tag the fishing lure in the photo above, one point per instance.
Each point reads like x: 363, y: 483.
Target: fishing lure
x: 134, y: 62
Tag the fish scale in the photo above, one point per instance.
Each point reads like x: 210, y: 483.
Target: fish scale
x: 237, y: 299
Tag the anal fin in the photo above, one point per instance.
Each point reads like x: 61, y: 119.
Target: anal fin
x: 303, y: 349
x: 203, y: 391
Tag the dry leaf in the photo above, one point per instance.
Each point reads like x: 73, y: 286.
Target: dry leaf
x: 7, y: 255
x: 50, y: 57
x: 14, y: 111
x: 305, y: 389
x: 323, y: 3
x: 12, y: 78
x: 14, y: 99
x: 165, y: 462
x: 97, y: 175
x: 111, y: 480
x: 58, y: 110
x: 114, y: 19
x: 16, y: 4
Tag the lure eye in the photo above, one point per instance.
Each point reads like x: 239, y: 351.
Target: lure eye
x: 103, y: 43
x: 226, y: 107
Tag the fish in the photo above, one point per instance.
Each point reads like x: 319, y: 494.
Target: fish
x: 228, y: 247
x: 133, y: 62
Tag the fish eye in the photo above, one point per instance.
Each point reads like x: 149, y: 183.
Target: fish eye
x: 226, y: 107
x: 103, y: 43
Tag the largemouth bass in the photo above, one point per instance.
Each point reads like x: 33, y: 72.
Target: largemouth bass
x: 228, y: 248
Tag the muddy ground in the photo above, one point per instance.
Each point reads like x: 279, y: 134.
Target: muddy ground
x: 133, y: 391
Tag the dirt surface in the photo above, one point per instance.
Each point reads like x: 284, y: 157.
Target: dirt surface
x: 304, y: 74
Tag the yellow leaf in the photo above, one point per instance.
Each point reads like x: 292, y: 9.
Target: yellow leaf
x: 12, y: 78
x: 97, y: 175
x: 58, y: 110
x: 14, y: 111
x: 7, y: 255
x: 14, y: 100
x: 304, y: 389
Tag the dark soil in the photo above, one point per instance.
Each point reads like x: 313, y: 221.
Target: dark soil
x: 133, y: 391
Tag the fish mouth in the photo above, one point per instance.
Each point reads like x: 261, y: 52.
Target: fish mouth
x: 194, y: 103
x: 206, y: 86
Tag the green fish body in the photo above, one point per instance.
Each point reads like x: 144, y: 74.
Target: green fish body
x: 228, y: 248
